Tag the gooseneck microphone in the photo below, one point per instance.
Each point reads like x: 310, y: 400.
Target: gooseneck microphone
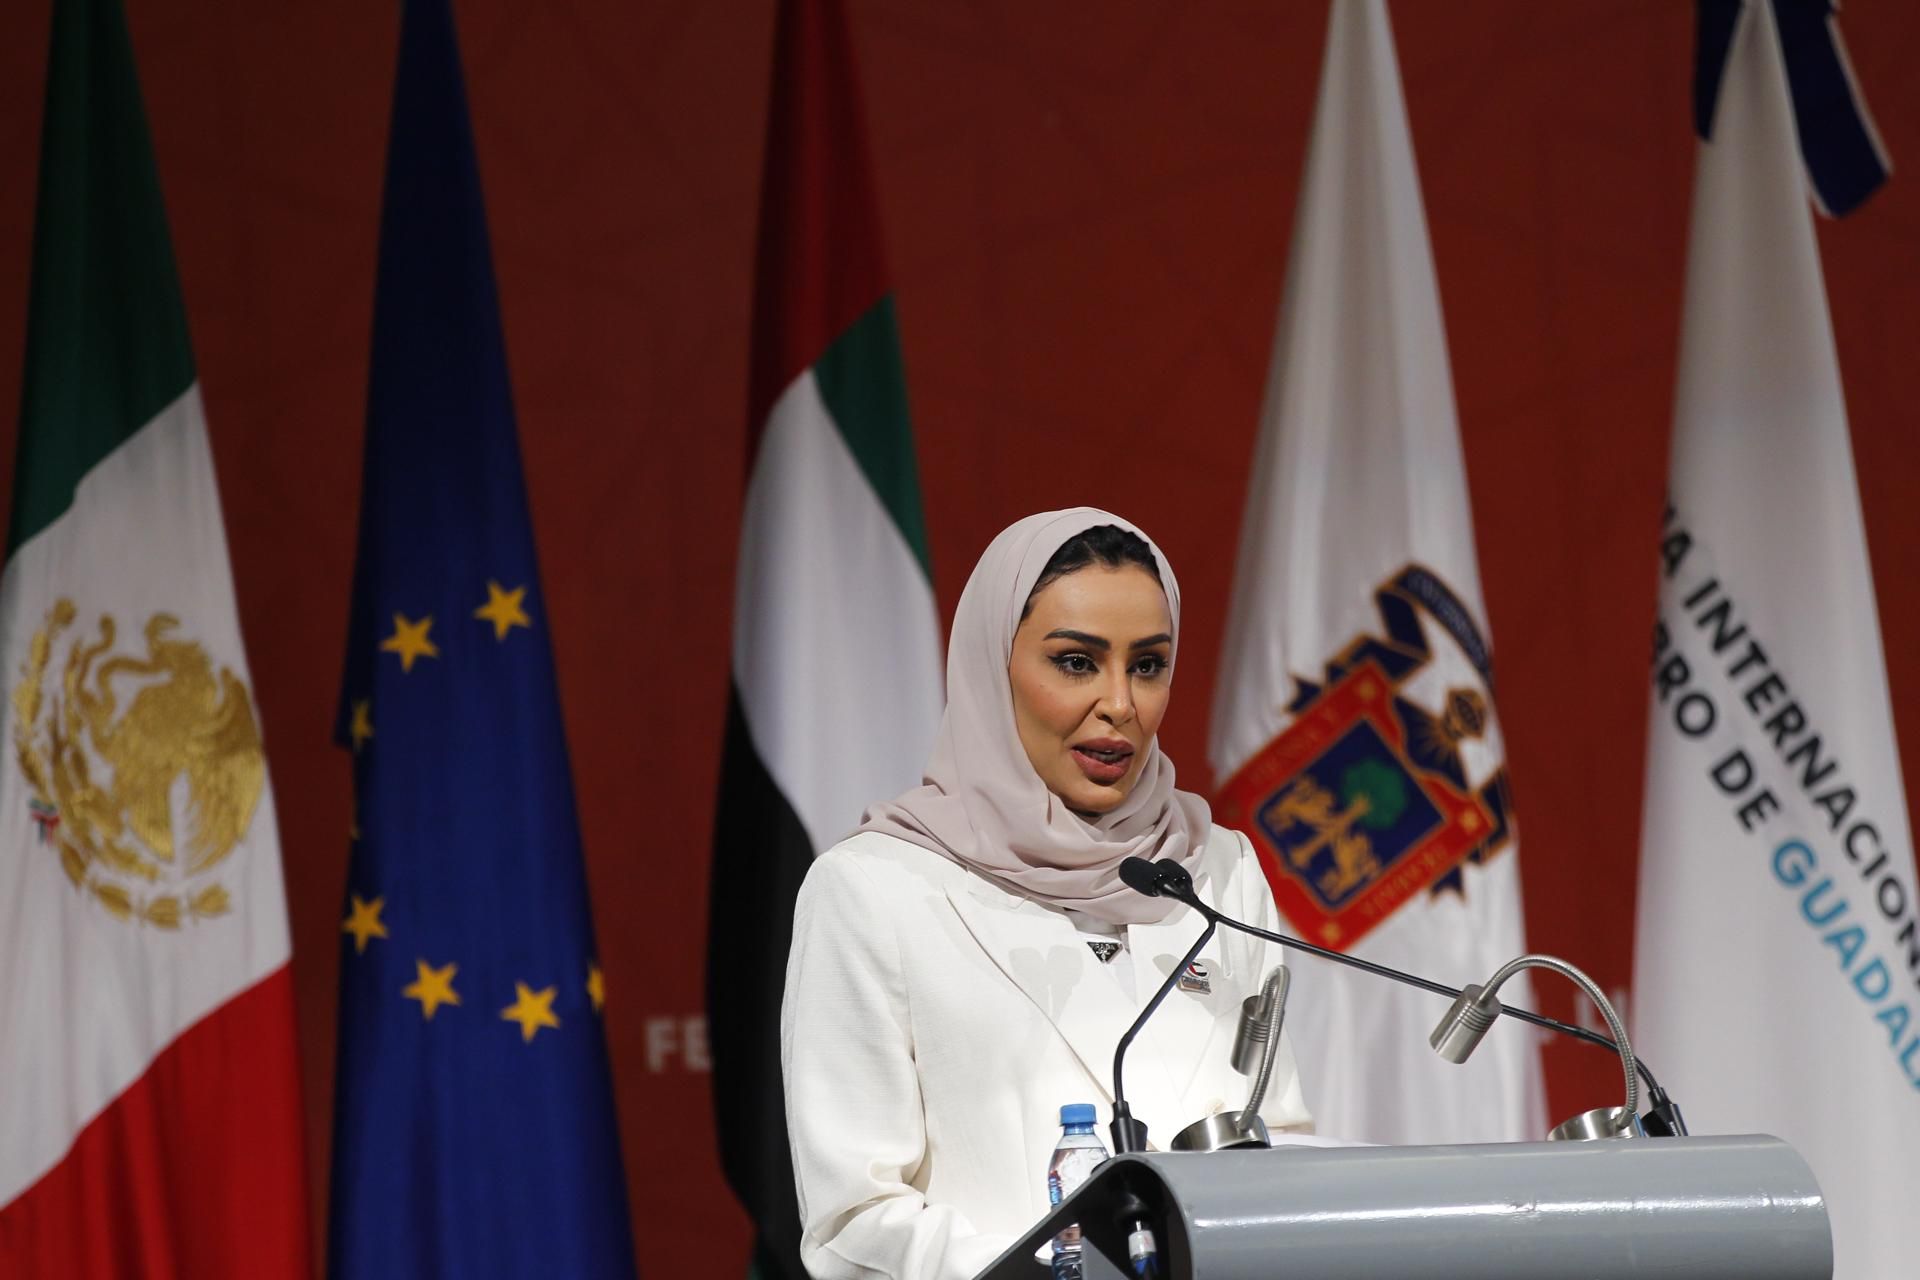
x: 1129, y: 1134
x: 1166, y: 879
x: 1472, y: 1014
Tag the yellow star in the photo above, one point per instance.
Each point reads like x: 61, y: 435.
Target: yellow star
x: 409, y: 640
x: 362, y: 727
x: 531, y: 1009
x: 503, y: 609
x: 433, y: 987
x: 596, y: 986
x: 364, y: 923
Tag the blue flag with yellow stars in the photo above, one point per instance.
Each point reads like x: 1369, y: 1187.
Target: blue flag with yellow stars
x: 474, y: 1128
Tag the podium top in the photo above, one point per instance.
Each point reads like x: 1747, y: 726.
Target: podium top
x: 1738, y: 1208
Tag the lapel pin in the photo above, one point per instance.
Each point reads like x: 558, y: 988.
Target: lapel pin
x: 1105, y: 950
x: 1196, y: 979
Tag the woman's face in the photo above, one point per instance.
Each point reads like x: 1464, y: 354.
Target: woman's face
x: 1091, y: 673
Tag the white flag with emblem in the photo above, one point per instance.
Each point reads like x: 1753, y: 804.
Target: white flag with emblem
x: 1353, y: 728
x: 1777, y: 966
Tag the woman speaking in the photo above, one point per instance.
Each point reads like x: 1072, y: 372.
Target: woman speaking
x: 965, y: 962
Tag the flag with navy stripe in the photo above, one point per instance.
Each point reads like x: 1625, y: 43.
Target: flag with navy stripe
x: 1775, y: 963
x: 1845, y: 160
x: 474, y: 1127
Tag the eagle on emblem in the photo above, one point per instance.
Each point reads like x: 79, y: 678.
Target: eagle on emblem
x: 113, y: 745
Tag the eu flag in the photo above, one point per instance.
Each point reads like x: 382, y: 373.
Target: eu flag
x: 474, y: 1130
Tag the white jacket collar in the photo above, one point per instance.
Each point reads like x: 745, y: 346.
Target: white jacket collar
x: 1041, y: 952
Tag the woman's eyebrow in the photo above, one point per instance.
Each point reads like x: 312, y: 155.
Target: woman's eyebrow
x: 1150, y: 641
x: 1079, y: 637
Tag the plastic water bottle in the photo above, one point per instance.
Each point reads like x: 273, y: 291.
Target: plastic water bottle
x: 1080, y: 1152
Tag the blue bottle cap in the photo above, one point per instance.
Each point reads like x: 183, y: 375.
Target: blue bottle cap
x: 1077, y: 1113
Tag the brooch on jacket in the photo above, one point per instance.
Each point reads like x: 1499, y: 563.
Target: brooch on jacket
x: 1196, y: 979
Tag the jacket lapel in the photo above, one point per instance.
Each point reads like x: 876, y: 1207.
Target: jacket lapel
x: 1041, y: 953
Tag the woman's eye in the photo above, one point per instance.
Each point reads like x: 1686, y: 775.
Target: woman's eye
x: 1151, y: 665
x: 1074, y: 664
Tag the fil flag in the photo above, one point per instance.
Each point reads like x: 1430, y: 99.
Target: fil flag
x: 1354, y: 723
x: 150, y: 1115
x: 474, y: 1126
x: 836, y: 690
x: 1777, y: 960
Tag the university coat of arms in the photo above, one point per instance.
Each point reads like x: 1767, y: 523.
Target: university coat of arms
x: 1364, y: 799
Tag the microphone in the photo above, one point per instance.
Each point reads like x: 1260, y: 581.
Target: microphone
x: 1130, y: 1135
x: 1254, y: 1043
x: 1156, y: 879
x: 1466, y: 1023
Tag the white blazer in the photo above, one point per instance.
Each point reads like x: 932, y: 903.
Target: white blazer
x: 935, y: 1022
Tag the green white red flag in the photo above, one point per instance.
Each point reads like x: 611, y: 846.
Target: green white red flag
x: 150, y: 1119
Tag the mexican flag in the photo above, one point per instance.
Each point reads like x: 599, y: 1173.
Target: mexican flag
x: 150, y: 1118
x: 836, y: 642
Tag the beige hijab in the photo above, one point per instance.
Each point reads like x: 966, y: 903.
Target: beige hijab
x: 980, y: 802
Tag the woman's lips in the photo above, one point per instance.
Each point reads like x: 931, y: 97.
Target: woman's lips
x: 1102, y: 765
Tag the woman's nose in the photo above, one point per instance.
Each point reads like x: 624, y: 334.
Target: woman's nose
x: 1116, y: 701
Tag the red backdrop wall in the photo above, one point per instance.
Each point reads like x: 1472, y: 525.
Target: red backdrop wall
x: 1088, y: 208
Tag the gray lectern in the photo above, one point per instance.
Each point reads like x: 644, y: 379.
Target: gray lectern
x: 1742, y: 1208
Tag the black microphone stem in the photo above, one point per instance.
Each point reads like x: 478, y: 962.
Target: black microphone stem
x: 1130, y: 1134
x: 1412, y: 980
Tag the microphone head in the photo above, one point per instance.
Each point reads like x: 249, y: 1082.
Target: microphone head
x: 1173, y: 880
x: 1139, y: 875
x: 1466, y: 1023
x: 1156, y: 878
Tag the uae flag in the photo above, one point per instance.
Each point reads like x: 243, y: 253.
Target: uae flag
x: 1777, y: 958
x: 150, y: 1119
x: 836, y: 646
x: 1354, y: 719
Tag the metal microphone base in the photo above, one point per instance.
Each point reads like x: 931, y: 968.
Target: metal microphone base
x: 1223, y: 1132
x: 1601, y: 1122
